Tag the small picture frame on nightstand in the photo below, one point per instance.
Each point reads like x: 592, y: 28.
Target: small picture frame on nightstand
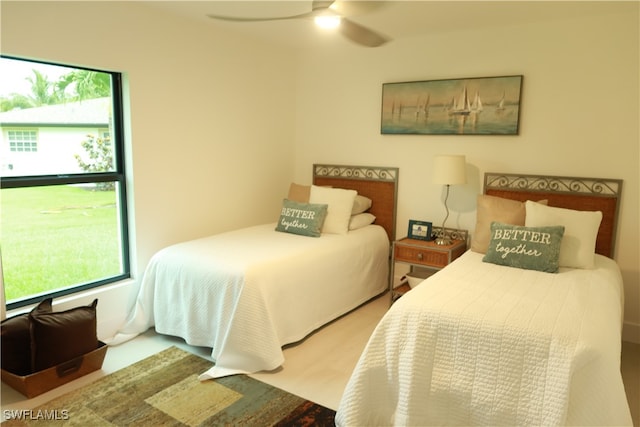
x: 420, y: 230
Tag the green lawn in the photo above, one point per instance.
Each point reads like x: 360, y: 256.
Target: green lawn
x: 58, y: 236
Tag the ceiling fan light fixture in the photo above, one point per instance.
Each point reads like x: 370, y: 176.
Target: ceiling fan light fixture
x: 326, y: 15
x: 327, y: 21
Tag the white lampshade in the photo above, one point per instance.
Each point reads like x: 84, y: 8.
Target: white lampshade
x: 449, y: 169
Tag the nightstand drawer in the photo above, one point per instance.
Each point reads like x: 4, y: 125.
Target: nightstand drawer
x: 422, y: 256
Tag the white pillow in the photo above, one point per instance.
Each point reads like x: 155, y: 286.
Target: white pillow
x: 340, y: 203
x: 578, y: 245
x: 360, y: 204
x: 361, y: 220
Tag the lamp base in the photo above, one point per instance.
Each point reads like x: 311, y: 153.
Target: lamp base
x: 443, y: 240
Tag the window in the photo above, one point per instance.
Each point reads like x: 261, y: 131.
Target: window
x: 104, y: 134
x: 63, y: 184
x: 22, y: 140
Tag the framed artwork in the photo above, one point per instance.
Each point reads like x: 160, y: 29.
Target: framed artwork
x: 420, y: 230
x: 472, y: 106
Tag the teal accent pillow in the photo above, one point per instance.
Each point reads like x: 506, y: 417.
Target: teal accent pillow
x: 305, y: 219
x: 530, y: 248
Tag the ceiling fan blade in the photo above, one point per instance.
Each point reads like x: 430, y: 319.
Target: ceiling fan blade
x: 361, y: 35
x: 321, y: 4
x: 359, y: 7
x: 277, y: 18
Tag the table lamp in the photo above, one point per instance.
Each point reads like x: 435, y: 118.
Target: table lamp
x: 448, y: 170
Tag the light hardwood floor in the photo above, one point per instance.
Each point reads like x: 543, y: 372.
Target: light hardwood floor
x: 316, y: 368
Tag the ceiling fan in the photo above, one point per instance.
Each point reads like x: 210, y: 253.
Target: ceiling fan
x: 351, y: 30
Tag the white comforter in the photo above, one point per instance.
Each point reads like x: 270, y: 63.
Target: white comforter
x: 481, y: 344
x: 248, y: 292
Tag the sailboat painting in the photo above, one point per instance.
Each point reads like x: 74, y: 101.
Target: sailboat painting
x: 472, y: 106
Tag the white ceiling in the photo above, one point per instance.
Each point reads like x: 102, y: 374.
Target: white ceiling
x: 395, y: 19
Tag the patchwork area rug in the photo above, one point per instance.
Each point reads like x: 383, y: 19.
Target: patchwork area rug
x: 164, y: 390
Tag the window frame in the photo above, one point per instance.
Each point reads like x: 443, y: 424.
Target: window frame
x: 32, y: 144
x: 117, y: 176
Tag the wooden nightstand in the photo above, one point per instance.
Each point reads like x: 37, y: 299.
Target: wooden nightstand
x: 424, y: 254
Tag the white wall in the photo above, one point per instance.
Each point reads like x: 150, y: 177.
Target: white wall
x: 218, y: 129
x: 580, y: 116
x: 211, y: 119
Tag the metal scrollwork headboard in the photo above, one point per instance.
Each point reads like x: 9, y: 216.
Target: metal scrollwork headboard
x: 380, y: 184
x: 587, y: 194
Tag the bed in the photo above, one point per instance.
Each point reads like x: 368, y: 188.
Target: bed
x: 246, y: 293
x: 493, y: 341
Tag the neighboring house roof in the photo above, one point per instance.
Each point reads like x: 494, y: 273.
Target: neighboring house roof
x: 93, y: 112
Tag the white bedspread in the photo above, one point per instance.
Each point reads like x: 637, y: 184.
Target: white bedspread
x: 481, y: 344
x: 248, y: 292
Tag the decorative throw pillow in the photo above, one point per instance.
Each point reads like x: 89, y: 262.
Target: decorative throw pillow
x: 58, y: 337
x: 360, y: 204
x: 305, y: 219
x: 498, y: 209
x: 361, y: 220
x: 299, y: 193
x: 580, y: 232
x: 340, y: 204
x: 531, y: 248
x: 15, y: 341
